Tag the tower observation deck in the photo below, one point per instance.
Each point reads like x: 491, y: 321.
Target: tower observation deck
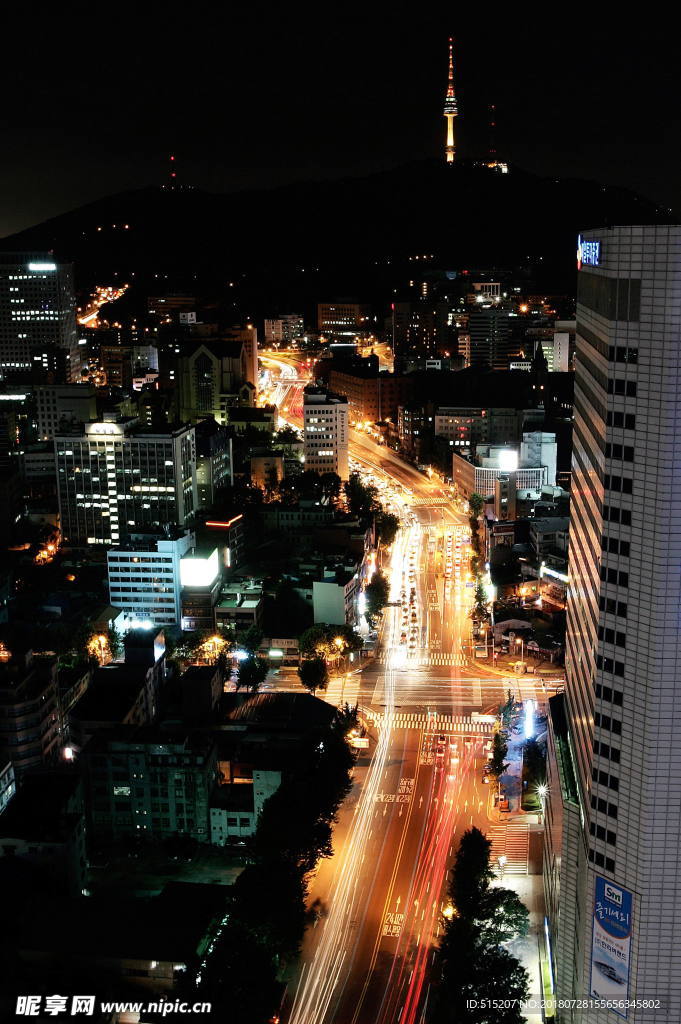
x: 450, y: 108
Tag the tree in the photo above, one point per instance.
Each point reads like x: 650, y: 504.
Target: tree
x: 315, y: 642
x: 314, y: 674
x: 319, y: 641
x: 290, y: 611
x: 331, y: 488
x: 534, y: 763
x: 474, y: 966
x: 346, y: 718
x: 472, y: 873
x: 115, y: 642
x: 376, y: 594
x: 497, y: 762
x: 508, y: 710
x: 188, y: 647
x: 249, y: 640
x: 309, y: 485
x: 475, y: 504
x: 251, y: 673
x: 270, y: 904
x: 504, y: 915
x: 388, y: 525
x: 287, y: 437
x: 362, y: 498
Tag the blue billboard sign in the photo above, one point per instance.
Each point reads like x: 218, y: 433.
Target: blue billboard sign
x: 588, y: 253
x: 611, y: 942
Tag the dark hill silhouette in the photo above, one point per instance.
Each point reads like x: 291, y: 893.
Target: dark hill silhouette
x: 339, y: 233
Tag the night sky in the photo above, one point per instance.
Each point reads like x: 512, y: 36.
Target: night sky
x: 93, y: 107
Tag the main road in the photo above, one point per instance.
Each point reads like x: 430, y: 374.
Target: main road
x: 368, y: 959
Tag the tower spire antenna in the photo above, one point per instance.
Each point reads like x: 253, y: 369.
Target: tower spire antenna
x: 450, y: 109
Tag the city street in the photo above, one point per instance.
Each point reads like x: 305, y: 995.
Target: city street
x: 428, y: 712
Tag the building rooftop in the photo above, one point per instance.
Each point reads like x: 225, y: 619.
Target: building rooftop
x: 111, y: 695
x: 233, y: 797
x: 251, y: 414
x: 178, y: 737
x: 38, y: 811
x: 550, y: 524
x: 298, y: 711
x: 171, y: 927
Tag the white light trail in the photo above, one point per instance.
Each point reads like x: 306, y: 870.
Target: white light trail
x: 313, y: 998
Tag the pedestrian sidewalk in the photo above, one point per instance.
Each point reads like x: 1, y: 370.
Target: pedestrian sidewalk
x: 529, y: 887
x: 529, y: 950
x: 511, y: 783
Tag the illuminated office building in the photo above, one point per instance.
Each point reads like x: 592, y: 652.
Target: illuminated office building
x: 116, y: 478
x: 613, y: 814
x: 37, y: 310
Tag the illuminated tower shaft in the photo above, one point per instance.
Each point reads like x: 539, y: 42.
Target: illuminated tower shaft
x: 451, y: 109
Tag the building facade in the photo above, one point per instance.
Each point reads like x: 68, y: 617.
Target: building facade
x: 60, y: 404
x: 209, y: 376
x: 37, y: 310
x: 325, y: 433
x: 144, y: 782
x: 29, y: 711
x: 622, y: 692
x: 114, y: 478
x: 144, y: 579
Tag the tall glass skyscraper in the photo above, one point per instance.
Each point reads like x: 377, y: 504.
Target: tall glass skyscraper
x: 37, y: 310
x: 614, y: 811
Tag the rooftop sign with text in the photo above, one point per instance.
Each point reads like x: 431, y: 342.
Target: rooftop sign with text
x: 588, y: 253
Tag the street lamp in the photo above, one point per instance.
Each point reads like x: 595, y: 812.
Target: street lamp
x: 542, y: 791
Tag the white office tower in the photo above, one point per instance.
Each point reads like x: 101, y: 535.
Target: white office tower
x: 116, y: 478
x: 37, y: 309
x: 145, y: 578
x: 540, y: 449
x: 614, y: 813
x: 325, y: 432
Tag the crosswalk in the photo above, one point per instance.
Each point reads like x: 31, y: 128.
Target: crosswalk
x: 428, y: 502
x: 424, y: 659
x: 435, y: 723
x: 511, y: 840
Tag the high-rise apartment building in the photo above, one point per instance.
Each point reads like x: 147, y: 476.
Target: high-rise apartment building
x: 613, y: 814
x: 325, y: 436
x: 37, y: 309
x: 115, y: 478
